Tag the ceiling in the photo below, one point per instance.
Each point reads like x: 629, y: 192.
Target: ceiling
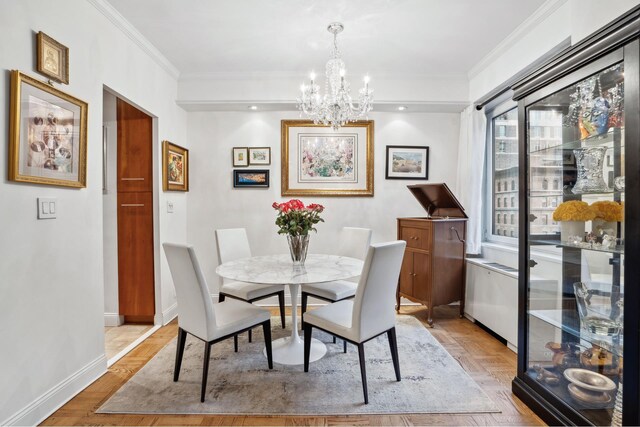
x: 289, y: 37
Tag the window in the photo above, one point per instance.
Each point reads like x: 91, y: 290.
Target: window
x: 502, y: 166
x: 513, y: 219
x: 545, y: 184
x: 556, y: 184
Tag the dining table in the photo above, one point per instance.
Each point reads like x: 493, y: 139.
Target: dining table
x: 279, y: 269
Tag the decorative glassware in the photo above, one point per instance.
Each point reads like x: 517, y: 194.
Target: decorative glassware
x: 616, y: 418
x: 597, y: 318
x: 589, y: 164
x: 298, y: 248
x: 618, y: 183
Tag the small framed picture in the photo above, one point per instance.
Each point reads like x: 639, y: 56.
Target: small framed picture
x: 175, y: 167
x: 259, y: 155
x: 251, y: 178
x: 240, y: 157
x: 407, y: 162
x: 53, y: 59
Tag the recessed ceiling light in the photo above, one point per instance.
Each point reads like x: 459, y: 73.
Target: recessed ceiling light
x: 402, y: 108
x: 253, y: 107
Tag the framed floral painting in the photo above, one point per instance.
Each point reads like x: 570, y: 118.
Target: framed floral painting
x: 175, y: 167
x: 318, y: 161
x: 48, y: 134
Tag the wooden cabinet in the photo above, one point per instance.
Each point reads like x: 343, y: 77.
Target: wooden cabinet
x: 433, y: 266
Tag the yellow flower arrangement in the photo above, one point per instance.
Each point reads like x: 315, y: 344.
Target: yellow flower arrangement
x: 607, y: 210
x: 574, y: 210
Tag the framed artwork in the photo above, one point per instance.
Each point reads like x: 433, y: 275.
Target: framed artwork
x: 240, y: 157
x: 48, y: 134
x: 251, y: 178
x: 175, y: 167
x: 407, y: 162
x: 53, y: 58
x: 318, y: 161
x: 259, y: 155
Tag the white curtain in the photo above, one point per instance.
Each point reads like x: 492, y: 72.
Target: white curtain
x: 469, y: 184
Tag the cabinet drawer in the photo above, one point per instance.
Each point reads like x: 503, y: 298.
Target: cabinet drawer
x: 416, y: 238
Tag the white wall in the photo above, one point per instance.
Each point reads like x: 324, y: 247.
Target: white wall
x: 214, y: 203
x: 110, y: 213
x: 52, y: 304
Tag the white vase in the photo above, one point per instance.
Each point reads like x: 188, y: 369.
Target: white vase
x: 572, y: 231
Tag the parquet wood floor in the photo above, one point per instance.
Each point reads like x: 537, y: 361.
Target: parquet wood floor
x: 491, y: 364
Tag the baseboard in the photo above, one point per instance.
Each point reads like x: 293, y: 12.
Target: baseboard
x: 170, y: 313
x: 113, y: 319
x: 49, y: 402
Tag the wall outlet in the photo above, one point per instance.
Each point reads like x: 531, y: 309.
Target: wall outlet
x: 47, y: 207
x: 169, y: 207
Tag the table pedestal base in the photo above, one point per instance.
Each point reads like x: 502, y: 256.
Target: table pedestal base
x: 291, y: 352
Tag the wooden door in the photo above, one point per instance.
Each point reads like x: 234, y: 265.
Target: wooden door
x: 406, y: 274
x: 135, y: 133
x: 136, y: 294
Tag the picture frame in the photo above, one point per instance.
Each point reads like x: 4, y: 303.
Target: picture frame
x: 259, y: 156
x: 407, y: 162
x: 319, y: 161
x: 48, y: 134
x: 246, y: 178
x: 175, y: 167
x: 240, y: 157
x: 52, y: 58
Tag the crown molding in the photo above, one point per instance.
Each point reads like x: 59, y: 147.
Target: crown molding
x: 130, y: 31
x: 258, y: 75
x: 542, y: 13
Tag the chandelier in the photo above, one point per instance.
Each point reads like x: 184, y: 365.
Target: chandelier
x: 336, y: 107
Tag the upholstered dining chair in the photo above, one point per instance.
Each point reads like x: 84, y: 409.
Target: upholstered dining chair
x: 353, y: 243
x: 233, y: 244
x: 200, y: 317
x: 370, y: 314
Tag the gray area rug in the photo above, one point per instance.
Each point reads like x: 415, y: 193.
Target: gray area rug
x: 241, y: 383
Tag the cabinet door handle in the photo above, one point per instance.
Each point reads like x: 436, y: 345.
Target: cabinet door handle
x: 132, y: 179
x: 132, y: 205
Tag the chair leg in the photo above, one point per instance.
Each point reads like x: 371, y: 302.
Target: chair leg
x: 249, y: 335
x: 281, y: 303
x: 266, y: 328
x: 307, y: 345
x: 182, y: 339
x: 235, y: 343
x: 221, y: 297
x: 393, y: 344
x: 303, y: 307
x: 344, y: 346
x: 205, y: 369
x: 363, y: 372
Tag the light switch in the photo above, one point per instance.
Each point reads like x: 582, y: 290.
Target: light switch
x: 169, y: 207
x: 46, y: 207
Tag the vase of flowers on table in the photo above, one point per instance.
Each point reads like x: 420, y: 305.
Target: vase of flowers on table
x: 296, y: 220
x: 572, y: 216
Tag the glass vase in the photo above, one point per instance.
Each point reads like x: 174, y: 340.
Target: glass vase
x: 298, y: 248
x: 589, y: 164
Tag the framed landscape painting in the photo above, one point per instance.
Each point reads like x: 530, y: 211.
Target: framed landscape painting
x: 259, y: 156
x: 175, y: 167
x: 251, y: 178
x: 318, y: 161
x: 48, y: 134
x: 407, y: 162
x: 240, y: 157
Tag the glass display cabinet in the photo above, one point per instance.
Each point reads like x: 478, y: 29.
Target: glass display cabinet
x: 578, y: 120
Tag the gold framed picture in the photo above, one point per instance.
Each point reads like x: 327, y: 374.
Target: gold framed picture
x: 48, y: 134
x: 318, y: 161
x: 175, y: 167
x: 53, y: 59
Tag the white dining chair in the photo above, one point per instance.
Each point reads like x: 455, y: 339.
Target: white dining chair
x: 233, y: 244
x: 372, y: 311
x: 353, y: 243
x: 201, y: 318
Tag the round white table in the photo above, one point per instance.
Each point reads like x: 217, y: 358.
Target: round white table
x: 279, y: 269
